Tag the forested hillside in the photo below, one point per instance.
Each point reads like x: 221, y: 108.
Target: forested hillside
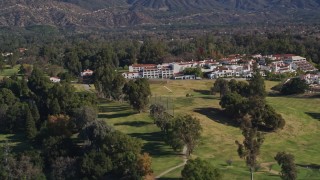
x: 112, y: 13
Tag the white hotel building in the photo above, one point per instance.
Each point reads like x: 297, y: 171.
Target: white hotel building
x: 151, y: 71
x: 162, y: 71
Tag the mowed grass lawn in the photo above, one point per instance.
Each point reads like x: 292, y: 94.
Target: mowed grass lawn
x: 300, y: 136
x: 84, y: 87
x: 8, y: 71
x: 123, y: 118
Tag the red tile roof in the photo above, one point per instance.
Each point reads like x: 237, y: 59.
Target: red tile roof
x: 143, y: 65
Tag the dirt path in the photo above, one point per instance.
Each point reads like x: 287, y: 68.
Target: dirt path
x: 265, y: 167
x: 185, y: 159
x: 168, y: 89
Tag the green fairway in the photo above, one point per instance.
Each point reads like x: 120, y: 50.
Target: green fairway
x: 299, y: 137
x: 8, y: 71
x: 123, y: 118
x: 84, y: 87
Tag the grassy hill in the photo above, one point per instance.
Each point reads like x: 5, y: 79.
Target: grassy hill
x: 299, y: 137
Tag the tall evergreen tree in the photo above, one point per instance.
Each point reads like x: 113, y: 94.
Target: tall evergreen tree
x: 138, y: 93
x: 250, y: 148
x: 39, y: 84
x: 31, y: 129
x: 221, y: 86
x: 117, y: 86
x: 72, y: 62
x: 256, y: 84
x: 2, y: 64
x: 54, y: 107
x: 152, y: 52
x: 104, y: 77
x: 35, y: 113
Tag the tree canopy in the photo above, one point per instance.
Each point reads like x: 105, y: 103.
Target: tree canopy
x: 288, y: 166
x: 138, y: 93
x: 198, y: 169
x: 239, y: 100
x: 294, y: 86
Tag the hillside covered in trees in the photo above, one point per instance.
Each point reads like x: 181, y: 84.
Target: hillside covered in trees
x: 105, y: 14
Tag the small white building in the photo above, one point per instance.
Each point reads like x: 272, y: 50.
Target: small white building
x: 7, y: 54
x: 185, y: 77
x: 311, y: 78
x: 55, y: 79
x: 131, y: 75
x: 281, y: 67
x: 87, y: 72
x: 294, y: 59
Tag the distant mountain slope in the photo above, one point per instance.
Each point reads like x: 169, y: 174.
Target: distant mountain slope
x: 116, y: 13
x: 220, y: 4
x: 60, y: 13
x: 97, y: 4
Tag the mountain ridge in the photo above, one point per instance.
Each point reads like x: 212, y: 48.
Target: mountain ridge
x: 119, y: 13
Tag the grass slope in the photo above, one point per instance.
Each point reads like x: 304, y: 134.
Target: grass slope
x: 123, y: 118
x: 299, y: 137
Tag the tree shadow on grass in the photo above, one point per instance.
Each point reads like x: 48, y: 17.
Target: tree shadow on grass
x: 273, y: 175
x: 133, y: 123
x: 155, y: 144
x: 115, y: 115
x: 204, y: 92
x: 314, y: 115
x: 217, y: 115
x: 169, y: 178
x: 117, y: 108
x: 302, y: 96
x: 208, y: 97
x: 274, y: 94
x: 18, y: 143
x: 310, y: 166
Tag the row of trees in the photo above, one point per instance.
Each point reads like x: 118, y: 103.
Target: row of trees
x: 183, y: 132
x: 82, y: 52
x: 178, y: 132
x: 113, y: 86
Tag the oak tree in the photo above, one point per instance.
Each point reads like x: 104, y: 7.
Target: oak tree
x: 198, y: 169
x: 187, y: 130
x: 288, y: 166
x: 138, y: 93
